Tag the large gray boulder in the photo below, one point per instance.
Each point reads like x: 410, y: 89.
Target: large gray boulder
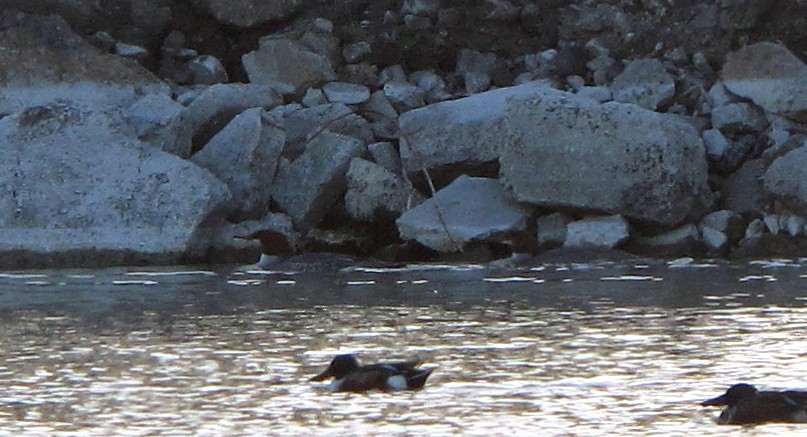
x: 468, y: 130
x: 245, y: 155
x: 769, y: 75
x: 468, y: 209
x: 249, y: 13
x: 306, y: 187
x: 288, y: 65
x: 562, y: 150
x: 786, y: 179
x: 76, y: 185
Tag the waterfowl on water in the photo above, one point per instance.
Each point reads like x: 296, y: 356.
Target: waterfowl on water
x: 746, y: 405
x: 349, y: 376
x: 275, y: 247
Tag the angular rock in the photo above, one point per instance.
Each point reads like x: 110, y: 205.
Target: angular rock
x: 385, y: 155
x: 356, y: 52
x: 160, y: 121
x: 738, y: 118
x: 716, y: 143
x: 218, y: 104
x: 469, y: 130
x: 79, y: 187
x: 786, y: 179
x: 245, y: 155
x: 683, y: 241
x: 769, y: 75
x: 287, y: 65
x: 743, y: 191
x: 644, y: 82
x: 551, y: 230
x: 347, y: 93
x: 561, y: 150
x: 314, y: 97
x: 468, y: 209
x: 207, y: 70
x: 374, y: 192
x: 793, y: 224
x: 728, y: 222
x: 772, y: 223
x: 608, y: 232
x: 249, y: 13
x: 306, y: 187
x: 383, y: 115
x: 421, y: 7
x: 303, y: 124
x: 404, y: 96
x: 715, y: 240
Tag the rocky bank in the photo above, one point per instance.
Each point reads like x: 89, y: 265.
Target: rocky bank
x: 139, y: 132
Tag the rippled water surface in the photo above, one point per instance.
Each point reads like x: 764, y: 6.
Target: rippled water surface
x: 559, y: 350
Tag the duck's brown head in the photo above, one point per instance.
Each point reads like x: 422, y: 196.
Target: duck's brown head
x: 273, y: 243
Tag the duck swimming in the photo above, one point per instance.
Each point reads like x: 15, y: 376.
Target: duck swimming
x: 746, y: 405
x: 349, y: 376
x: 275, y: 247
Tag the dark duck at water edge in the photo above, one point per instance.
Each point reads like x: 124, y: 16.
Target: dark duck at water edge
x: 745, y: 405
x: 349, y: 376
x: 278, y: 251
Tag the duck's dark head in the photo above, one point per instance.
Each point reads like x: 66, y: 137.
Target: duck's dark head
x: 734, y: 395
x: 273, y: 243
x: 340, y: 366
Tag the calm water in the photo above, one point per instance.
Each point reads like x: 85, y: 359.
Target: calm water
x: 560, y: 350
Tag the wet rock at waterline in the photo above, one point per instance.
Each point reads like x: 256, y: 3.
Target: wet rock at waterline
x: 375, y: 192
x: 469, y: 209
x: 80, y: 186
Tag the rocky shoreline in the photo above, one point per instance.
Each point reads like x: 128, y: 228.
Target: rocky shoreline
x: 154, y: 132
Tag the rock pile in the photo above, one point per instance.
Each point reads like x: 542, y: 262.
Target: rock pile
x: 129, y: 149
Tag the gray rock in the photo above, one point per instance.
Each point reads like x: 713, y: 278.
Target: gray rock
x: 383, y: 115
x: 476, y: 82
x: 356, y: 52
x: 679, y: 241
x: 719, y: 96
x: 347, y: 93
x: 421, y: 7
x: 715, y: 240
x: 603, y: 69
x: 755, y: 229
x: 304, y: 124
x: 716, y: 143
x: 393, y: 73
x: 404, y: 96
x: 608, y: 232
x: 722, y: 220
x: 644, y: 82
x: 131, y: 51
x: 432, y: 84
x: 468, y: 209
x: 308, y: 186
x: 599, y: 94
x: 793, y: 224
x: 374, y: 192
x: 323, y: 25
x: 287, y: 65
x: 244, y: 155
x: 561, y: 150
x: 249, y: 13
x: 743, y: 190
x: 771, y: 222
x: 207, y: 70
x: 465, y: 130
x: 218, y: 104
x: 786, y: 179
x: 103, y: 197
x: 160, y: 121
x: 738, y: 118
x: 769, y: 75
x: 385, y: 155
x: 551, y: 230
x: 314, y: 97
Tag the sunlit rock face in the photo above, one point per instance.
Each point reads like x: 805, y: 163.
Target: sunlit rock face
x: 565, y: 151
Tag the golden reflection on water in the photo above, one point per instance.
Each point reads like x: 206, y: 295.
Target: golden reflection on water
x: 506, y: 366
